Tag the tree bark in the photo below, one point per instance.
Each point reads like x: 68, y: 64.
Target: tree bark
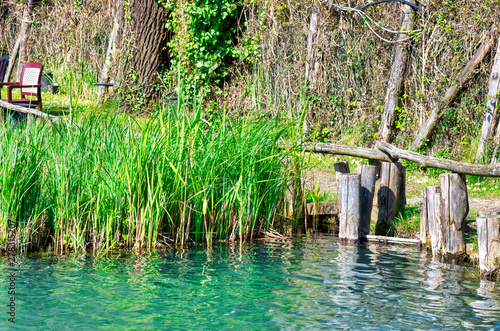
x: 20, y: 44
x: 389, y: 153
x: 24, y: 37
x: 311, y: 40
x: 452, y: 93
x: 433, y: 162
x: 366, y: 153
x: 143, y: 56
x: 113, y: 47
x: 492, y: 105
x: 12, y: 60
x: 399, y: 65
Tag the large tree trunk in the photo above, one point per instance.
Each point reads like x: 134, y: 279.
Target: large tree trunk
x: 399, y: 64
x: 142, y: 52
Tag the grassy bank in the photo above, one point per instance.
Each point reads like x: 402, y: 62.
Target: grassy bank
x: 108, y: 181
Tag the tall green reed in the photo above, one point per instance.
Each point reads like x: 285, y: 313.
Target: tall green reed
x: 109, y: 181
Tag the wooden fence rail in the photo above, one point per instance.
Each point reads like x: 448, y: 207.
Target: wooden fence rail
x: 389, y: 153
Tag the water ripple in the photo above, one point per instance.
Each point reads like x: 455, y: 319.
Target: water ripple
x: 315, y: 284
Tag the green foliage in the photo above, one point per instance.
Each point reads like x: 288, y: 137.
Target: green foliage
x: 205, y: 41
x: 442, y: 153
x: 407, y: 223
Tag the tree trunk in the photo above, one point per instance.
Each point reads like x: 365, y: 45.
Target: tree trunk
x: 492, y: 105
x: 399, y: 65
x: 113, y: 47
x: 311, y: 40
x: 20, y: 45
x: 452, y: 93
x: 24, y: 37
x: 143, y: 56
x: 12, y: 59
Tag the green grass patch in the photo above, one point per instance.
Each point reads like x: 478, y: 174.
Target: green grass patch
x: 407, y: 223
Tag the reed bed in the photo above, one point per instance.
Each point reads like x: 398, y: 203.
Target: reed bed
x: 109, y: 181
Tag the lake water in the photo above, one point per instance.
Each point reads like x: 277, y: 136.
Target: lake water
x: 301, y: 284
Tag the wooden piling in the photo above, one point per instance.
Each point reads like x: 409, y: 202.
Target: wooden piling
x: 391, y: 195
x: 435, y: 222
x: 377, y: 165
x: 426, y: 216
x: 349, y: 207
x: 368, y: 175
x: 488, y: 236
x: 341, y: 168
x: 455, y: 207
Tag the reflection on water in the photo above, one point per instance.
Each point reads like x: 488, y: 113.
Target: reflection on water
x: 315, y: 283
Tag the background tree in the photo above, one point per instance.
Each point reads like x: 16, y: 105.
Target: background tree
x: 143, y: 51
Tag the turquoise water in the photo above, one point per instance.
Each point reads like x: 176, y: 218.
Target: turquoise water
x: 302, y: 284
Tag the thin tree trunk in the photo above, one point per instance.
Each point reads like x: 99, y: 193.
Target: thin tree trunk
x: 399, y: 65
x: 452, y: 93
x: 111, y: 53
x: 12, y: 59
x: 311, y: 39
x: 24, y: 35
x: 492, y: 105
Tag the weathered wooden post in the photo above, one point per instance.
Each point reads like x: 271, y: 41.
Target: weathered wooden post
x: 349, y: 207
x: 488, y: 237
x: 426, y: 216
x: 435, y: 219
x: 378, y: 165
x: 391, y: 195
x: 341, y: 168
x: 368, y: 174
x: 455, y: 207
